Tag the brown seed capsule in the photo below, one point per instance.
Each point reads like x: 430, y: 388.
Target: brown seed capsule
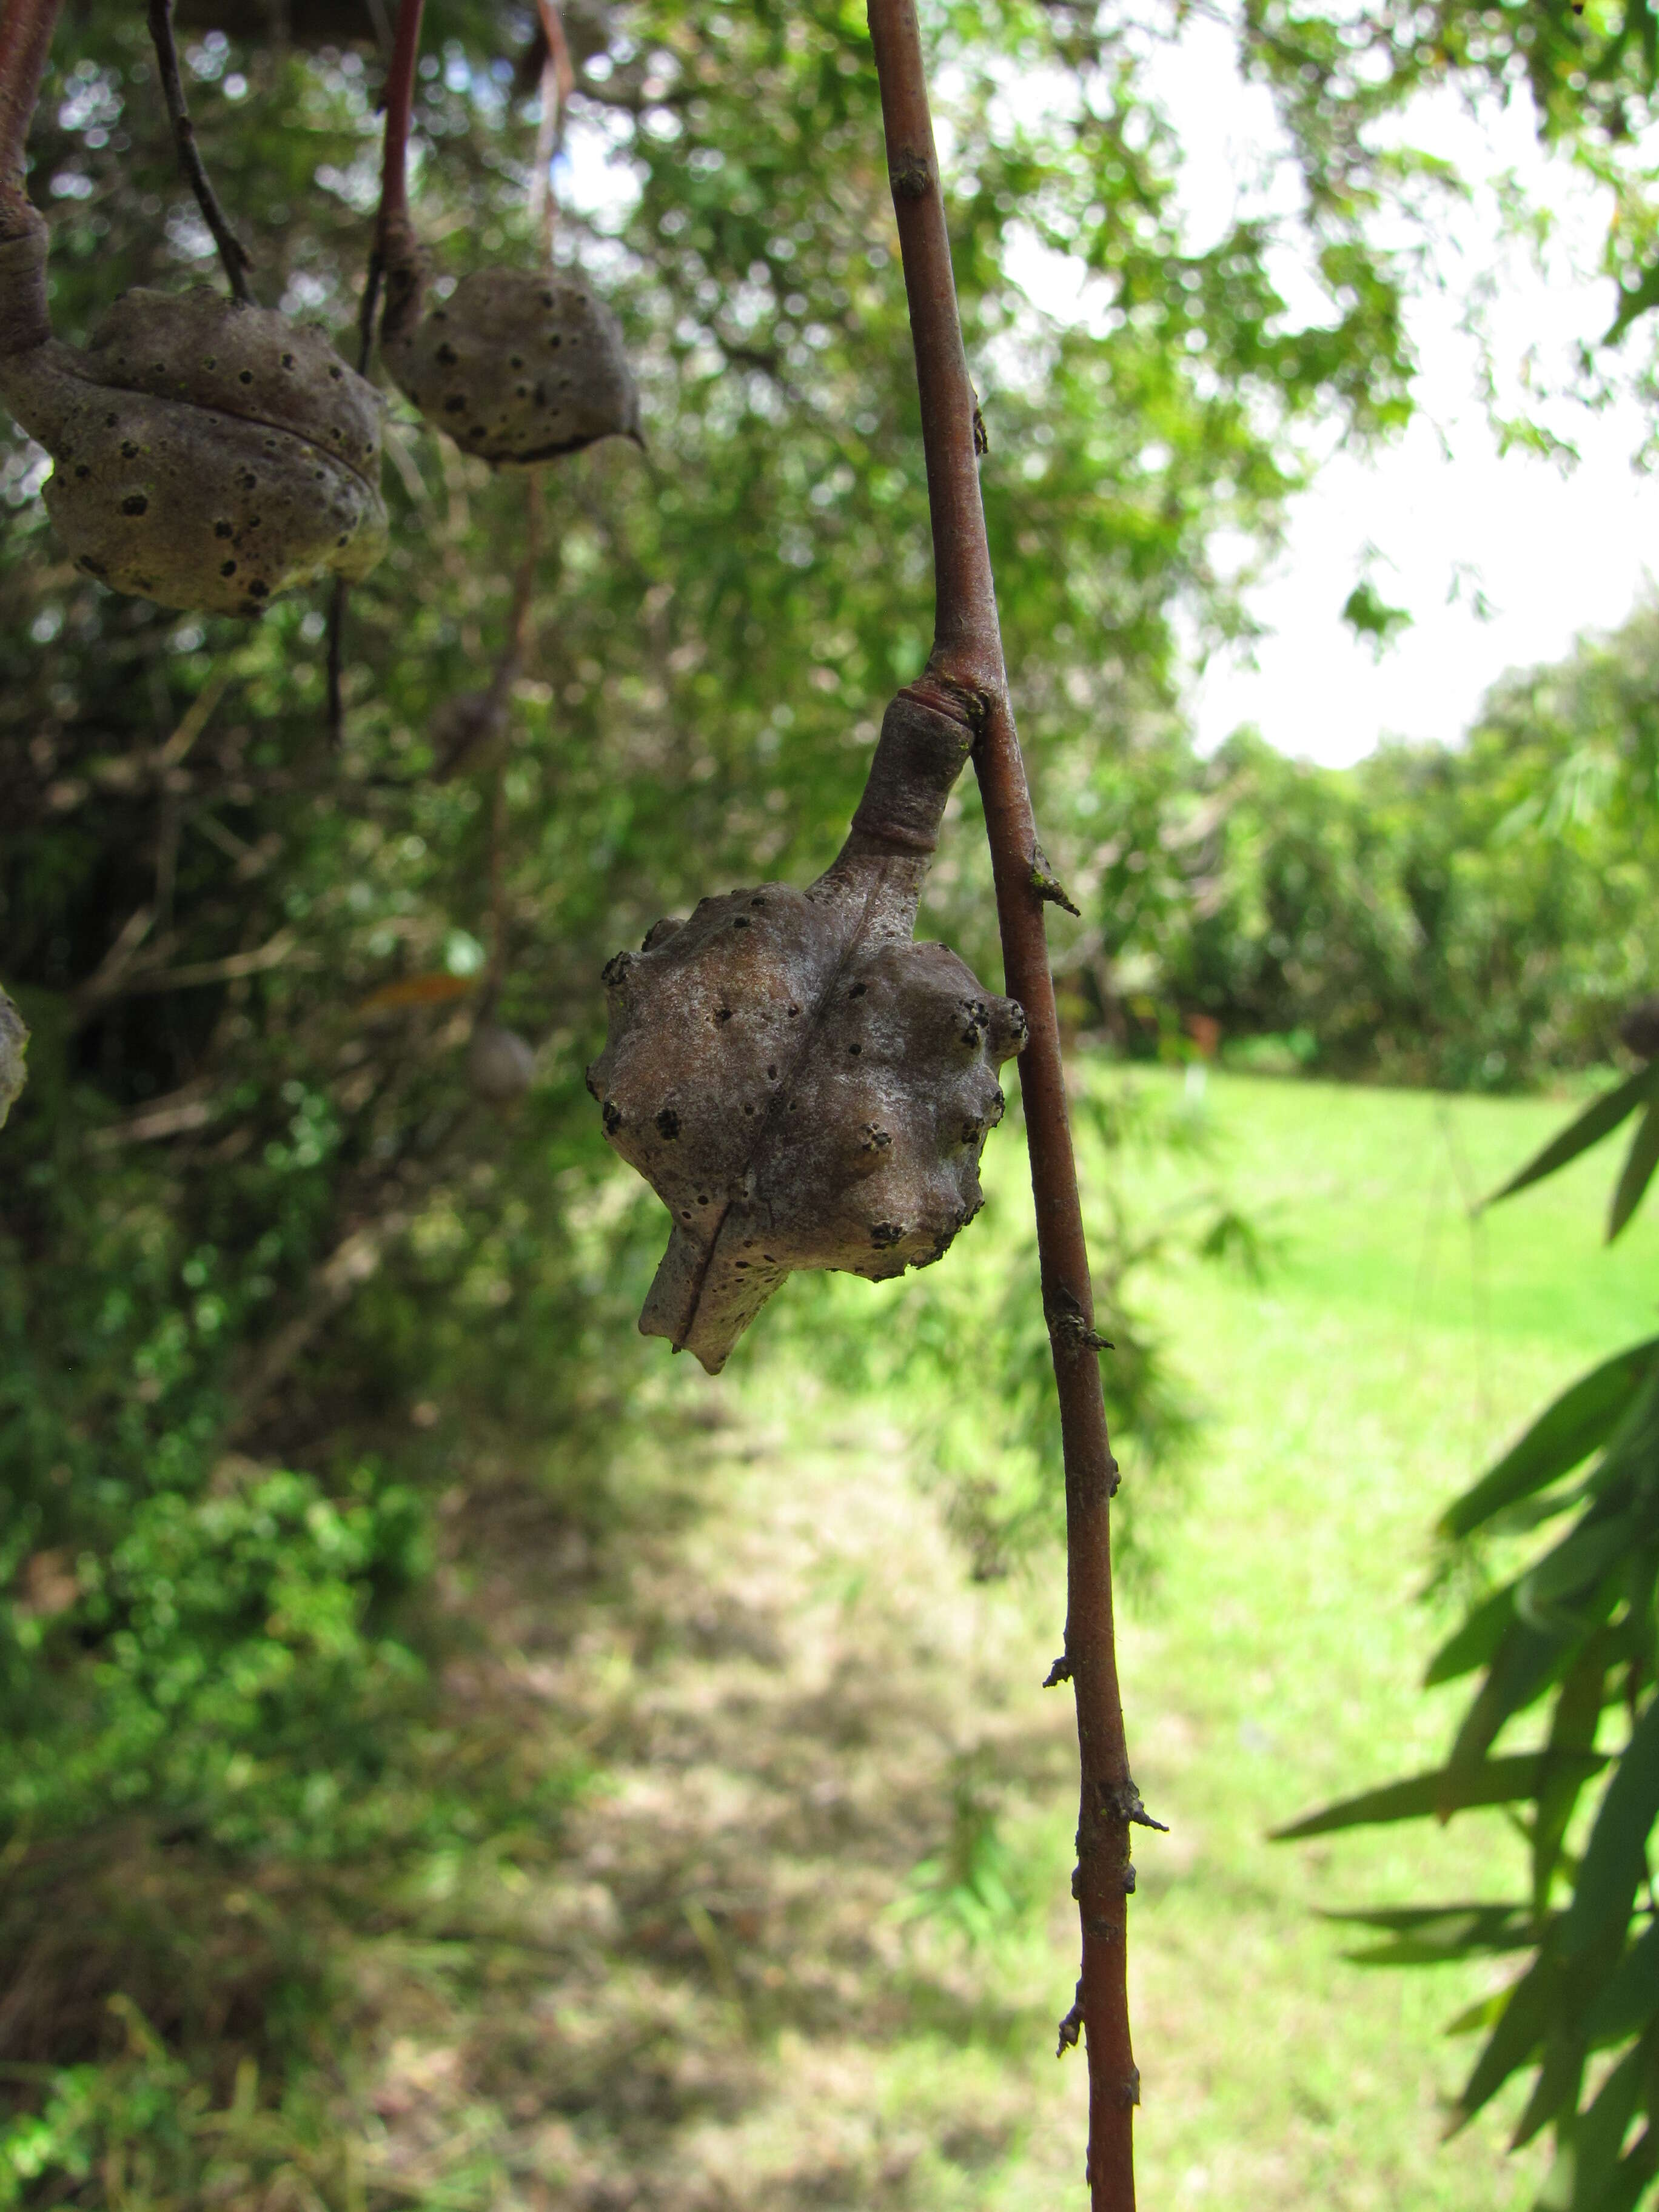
x: 13, y: 1063
x: 800, y: 1083
x: 515, y: 366
x: 500, y: 1065
x: 207, y: 454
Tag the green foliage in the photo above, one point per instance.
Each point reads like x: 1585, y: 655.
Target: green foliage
x: 1575, y: 1631
x: 1476, y: 917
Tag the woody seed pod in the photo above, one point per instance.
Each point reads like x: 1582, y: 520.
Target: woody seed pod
x: 13, y: 1063
x: 500, y: 1065
x: 208, y: 454
x: 514, y: 366
x: 800, y: 1083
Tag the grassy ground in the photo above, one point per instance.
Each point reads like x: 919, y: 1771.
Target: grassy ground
x: 715, y: 1995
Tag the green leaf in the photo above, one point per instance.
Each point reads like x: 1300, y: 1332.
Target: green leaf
x: 1589, y: 2146
x: 1639, y: 1164
x: 1520, y: 2030
x: 1614, y: 1858
x: 1565, y: 1433
x: 1525, y: 1660
x: 1629, y: 1997
x: 1597, y: 1120
x: 1577, y: 1561
x: 1572, y: 1728
x: 1442, y: 1792
x: 1430, y: 1935
x: 1475, y: 1642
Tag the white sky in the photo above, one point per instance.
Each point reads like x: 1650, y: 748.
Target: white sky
x: 1554, y: 555
x: 1501, y: 562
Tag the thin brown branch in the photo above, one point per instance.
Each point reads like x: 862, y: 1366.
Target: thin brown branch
x: 231, y: 252
x: 26, y: 32
x: 965, y: 674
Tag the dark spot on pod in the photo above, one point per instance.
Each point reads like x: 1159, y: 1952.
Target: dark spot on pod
x: 857, y: 990
x: 246, y: 376
x: 446, y: 354
x: 555, y: 342
x: 456, y: 404
x: 875, y: 1140
x: 94, y: 568
x: 772, y: 1074
x: 210, y: 361
x: 223, y: 530
x: 521, y: 391
x: 135, y: 503
x: 685, y: 1213
x: 971, y: 1131
x: 515, y: 360
x: 747, y: 1107
x: 344, y: 538
x: 739, y: 921
x: 547, y: 299
x: 794, y: 1010
x: 129, y: 449
x: 757, y: 902
x: 614, y: 969
x: 247, y: 480
x: 541, y: 395
x: 998, y: 1102
x: 110, y: 422
x: 227, y: 568
x: 668, y: 1123
x: 610, y: 1114
x: 336, y: 373
x: 855, y: 1049
x: 703, y: 1197
x: 723, y: 1013
x: 970, y: 1035
x: 587, y: 1077
x: 259, y: 591
x: 288, y: 361
x: 81, y: 469
x: 885, y: 1232
x: 441, y: 314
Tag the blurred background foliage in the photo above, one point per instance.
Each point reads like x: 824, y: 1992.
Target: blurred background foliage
x: 293, y: 1325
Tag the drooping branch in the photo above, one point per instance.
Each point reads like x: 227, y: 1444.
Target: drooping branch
x: 397, y: 255
x: 395, y: 247
x: 965, y: 675
x: 231, y: 252
x: 26, y: 32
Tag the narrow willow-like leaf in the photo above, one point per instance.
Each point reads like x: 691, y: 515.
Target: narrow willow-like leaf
x: 1576, y: 1562
x: 1521, y: 2029
x: 1555, y: 2092
x: 1637, y: 1171
x: 1629, y: 1997
x: 1563, y: 1436
x: 1474, y: 1642
x: 1597, y: 1120
x: 1433, y: 1935
x: 1589, y: 2146
x: 1519, y: 1671
x: 1445, y: 1790
x: 1572, y: 1729
x: 1613, y: 1861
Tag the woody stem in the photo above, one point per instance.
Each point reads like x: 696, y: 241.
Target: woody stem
x: 965, y: 675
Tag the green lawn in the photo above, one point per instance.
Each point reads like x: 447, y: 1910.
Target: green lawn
x: 1393, y: 1346
x: 706, y: 1991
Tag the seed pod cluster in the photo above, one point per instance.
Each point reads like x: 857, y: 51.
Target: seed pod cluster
x: 207, y: 454
x: 800, y: 1083
x: 515, y: 366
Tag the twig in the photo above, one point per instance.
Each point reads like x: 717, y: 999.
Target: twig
x: 558, y: 82
x: 231, y: 252
x: 393, y: 217
x: 26, y: 32
x: 965, y: 675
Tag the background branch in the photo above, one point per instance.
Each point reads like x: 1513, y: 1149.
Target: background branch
x: 231, y: 252
x: 965, y: 675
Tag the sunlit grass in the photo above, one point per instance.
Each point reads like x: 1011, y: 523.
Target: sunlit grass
x: 1273, y: 1660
